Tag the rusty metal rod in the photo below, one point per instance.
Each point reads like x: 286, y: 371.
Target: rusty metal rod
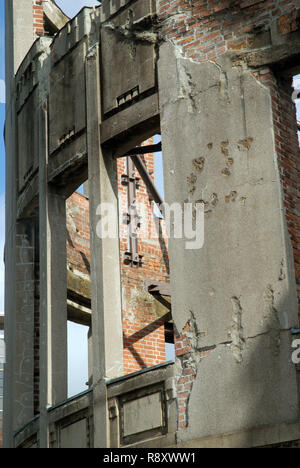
x: 144, y: 150
x: 141, y: 167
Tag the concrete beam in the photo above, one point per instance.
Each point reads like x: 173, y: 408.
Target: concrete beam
x: 55, y: 15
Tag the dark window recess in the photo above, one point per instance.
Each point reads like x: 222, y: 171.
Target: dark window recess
x: 50, y: 28
x: 169, y: 332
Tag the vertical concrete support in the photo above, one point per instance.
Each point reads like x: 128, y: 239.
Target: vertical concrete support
x: 235, y: 297
x: 90, y: 356
x: 24, y: 332
x: 19, y: 37
x: 53, y: 288
x: 105, y: 257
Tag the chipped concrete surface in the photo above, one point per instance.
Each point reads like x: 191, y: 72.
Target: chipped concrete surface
x: 245, y: 244
x: 237, y: 332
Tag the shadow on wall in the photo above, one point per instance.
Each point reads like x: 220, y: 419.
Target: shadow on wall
x: 252, y: 383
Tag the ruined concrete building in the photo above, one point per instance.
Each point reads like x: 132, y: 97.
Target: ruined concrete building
x: 86, y: 99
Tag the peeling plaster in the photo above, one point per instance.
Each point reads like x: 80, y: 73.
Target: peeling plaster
x: 237, y: 331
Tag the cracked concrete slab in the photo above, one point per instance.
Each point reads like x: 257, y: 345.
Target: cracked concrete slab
x: 229, y: 396
x: 241, y: 284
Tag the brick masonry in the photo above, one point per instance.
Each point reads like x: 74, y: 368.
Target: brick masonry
x: 204, y: 30
x: 78, y: 234
x: 143, y: 328
x: 38, y: 18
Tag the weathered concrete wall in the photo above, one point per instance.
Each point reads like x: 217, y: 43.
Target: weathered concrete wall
x: 287, y: 149
x: 18, y: 41
x: 239, y: 289
x: 234, y: 300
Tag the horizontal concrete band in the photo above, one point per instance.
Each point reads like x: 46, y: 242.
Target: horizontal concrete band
x: 258, y: 437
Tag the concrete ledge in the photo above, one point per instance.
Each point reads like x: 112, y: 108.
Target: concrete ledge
x: 134, y: 382
x: 55, y: 15
x: 258, y: 437
x: 27, y: 433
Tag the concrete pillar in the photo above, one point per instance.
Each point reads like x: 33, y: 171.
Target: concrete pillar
x: 53, y: 288
x: 236, y: 295
x: 19, y: 37
x: 24, y: 324
x: 90, y: 356
x: 105, y: 257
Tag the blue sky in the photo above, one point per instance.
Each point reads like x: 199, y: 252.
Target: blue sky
x: 72, y: 7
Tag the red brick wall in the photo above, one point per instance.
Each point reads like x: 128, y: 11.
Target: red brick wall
x: 78, y: 234
x: 143, y: 330
x: 38, y: 18
x: 204, y: 30
x: 144, y: 342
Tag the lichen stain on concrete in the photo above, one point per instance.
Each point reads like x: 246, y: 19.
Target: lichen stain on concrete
x: 237, y: 331
x: 209, y: 205
x: 245, y: 143
x: 198, y: 164
x: 225, y: 172
x: 214, y: 200
x: 231, y: 197
x: 191, y: 180
x: 224, y: 148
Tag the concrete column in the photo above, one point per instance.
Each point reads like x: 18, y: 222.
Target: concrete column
x: 19, y: 37
x: 24, y: 323
x: 236, y: 295
x: 90, y: 356
x: 53, y: 288
x: 105, y: 257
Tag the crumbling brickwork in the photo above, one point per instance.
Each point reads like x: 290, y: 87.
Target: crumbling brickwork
x: 189, y: 357
x: 143, y: 327
x: 205, y: 30
x: 38, y: 18
x: 78, y: 234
